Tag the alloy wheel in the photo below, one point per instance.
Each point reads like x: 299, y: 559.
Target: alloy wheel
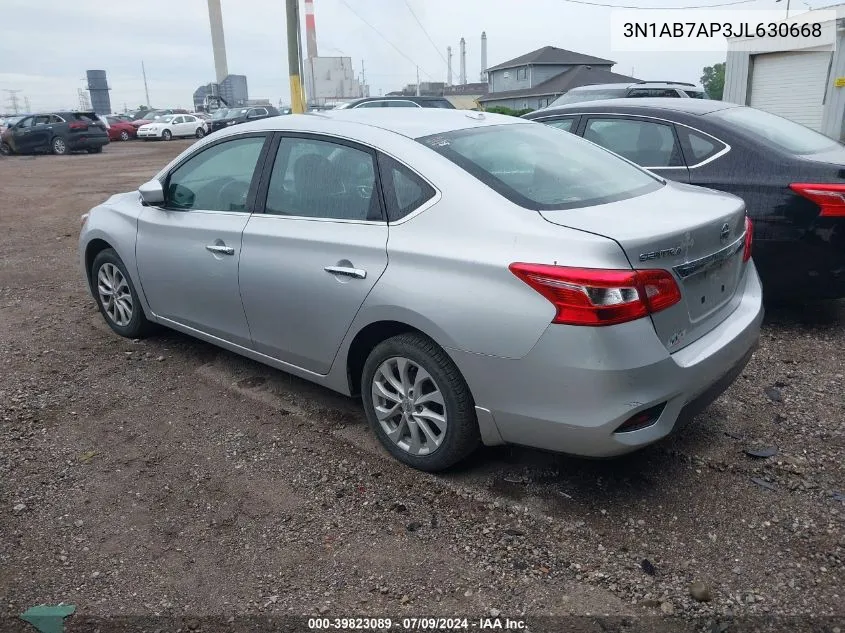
x: 124, y: 135
x: 59, y: 146
x: 409, y: 406
x: 115, y: 295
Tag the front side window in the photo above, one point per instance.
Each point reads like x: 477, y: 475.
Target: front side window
x: 539, y: 168
x: 401, y: 104
x: 404, y: 191
x: 770, y: 128
x: 314, y: 178
x: 176, y: 119
x: 371, y: 104
x: 217, y: 178
x: 644, y: 142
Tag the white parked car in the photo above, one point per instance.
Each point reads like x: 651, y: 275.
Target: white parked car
x: 173, y: 125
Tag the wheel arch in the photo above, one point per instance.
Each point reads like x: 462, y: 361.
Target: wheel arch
x: 92, y: 249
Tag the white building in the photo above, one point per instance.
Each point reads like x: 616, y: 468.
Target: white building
x: 331, y: 79
x: 796, y: 78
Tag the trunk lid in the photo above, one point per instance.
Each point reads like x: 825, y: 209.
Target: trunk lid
x: 696, y: 234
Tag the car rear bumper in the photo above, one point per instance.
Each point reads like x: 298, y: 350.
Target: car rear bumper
x: 576, y: 387
x: 87, y: 142
x: 809, y: 268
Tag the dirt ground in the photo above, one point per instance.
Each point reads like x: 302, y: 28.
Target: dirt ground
x: 166, y: 476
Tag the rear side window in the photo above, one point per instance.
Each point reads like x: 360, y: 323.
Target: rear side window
x: 695, y: 94
x: 404, y: 191
x: 438, y: 103
x: 539, y: 168
x: 653, y: 92
x: 561, y: 124
x: 577, y: 96
x: 698, y: 147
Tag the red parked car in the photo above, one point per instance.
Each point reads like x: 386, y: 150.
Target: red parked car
x: 120, y: 130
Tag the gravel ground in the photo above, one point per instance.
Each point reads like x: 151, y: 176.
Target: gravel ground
x: 166, y: 476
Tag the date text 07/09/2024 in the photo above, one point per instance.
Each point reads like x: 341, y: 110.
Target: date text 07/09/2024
x: 719, y: 29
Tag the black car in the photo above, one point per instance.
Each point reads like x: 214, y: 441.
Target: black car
x: 56, y: 132
x: 791, y: 178
x: 225, y: 117
x: 399, y: 102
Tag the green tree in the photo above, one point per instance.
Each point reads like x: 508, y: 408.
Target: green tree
x: 713, y: 80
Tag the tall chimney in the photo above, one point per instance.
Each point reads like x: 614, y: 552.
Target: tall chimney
x: 449, y: 66
x: 218, y: 44
x: 463, y: 77
x: 483, y: 56
x: 310, y: 29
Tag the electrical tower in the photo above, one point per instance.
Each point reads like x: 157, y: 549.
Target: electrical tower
x: 13, y: 100
x: 26, y: 104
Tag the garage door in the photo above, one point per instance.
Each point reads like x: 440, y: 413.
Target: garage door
x: 791, y: 85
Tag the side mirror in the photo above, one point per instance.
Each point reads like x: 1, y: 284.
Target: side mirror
x: 152, y: 192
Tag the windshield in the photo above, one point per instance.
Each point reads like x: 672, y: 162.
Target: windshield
x: 783, y: 133
x: 220, y: 114
x: 167, y: 118
x: 576, y: 96
x: 541, y: 167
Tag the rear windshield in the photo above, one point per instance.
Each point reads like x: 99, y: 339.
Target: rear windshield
x: 576, y: 96
x: 541, y: 167
x: 783, y: 133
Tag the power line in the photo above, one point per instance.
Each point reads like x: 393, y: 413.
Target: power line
x: 437, y: 48
x: 627, y: 6
x: 355, y: 13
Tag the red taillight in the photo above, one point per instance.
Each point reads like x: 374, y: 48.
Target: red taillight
x: 78, y: 125
x: 749, y: 239
x: 830, y: 197
x: 593, y: 296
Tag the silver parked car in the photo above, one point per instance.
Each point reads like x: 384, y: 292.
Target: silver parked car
x: 476, y: 278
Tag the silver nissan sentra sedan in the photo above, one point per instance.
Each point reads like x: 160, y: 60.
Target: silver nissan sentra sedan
x: 476, y: 278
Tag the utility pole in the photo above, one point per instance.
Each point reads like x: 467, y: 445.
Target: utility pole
x: 26, y: 104
x: 297, y: 97
x: 13, y: 99
x: 418, y: 81
x: 146, y: 89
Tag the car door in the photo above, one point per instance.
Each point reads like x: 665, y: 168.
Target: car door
x: 310, y: 259
x: 189, y: 125
x: 177, y: 125
x: 22, y: 139
x: 188, y: 249
x: 42, y: 130
x: 650, y: 143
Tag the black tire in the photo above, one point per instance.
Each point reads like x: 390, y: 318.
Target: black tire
x: 59, y: 146
x: 200, y: 132
x: 138, y: 326
x: 124, y: 135
x: 461, y: 436
x: 5, y: 149
x: 167, y: 135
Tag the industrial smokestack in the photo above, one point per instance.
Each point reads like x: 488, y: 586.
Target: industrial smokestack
x: 449, y: 66
x: 483, y: 56
x: 218, y: 44
x: 463, y: 77
x: 310, y: 29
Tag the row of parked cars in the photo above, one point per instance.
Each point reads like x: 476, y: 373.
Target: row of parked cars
x: 63, y: 132
x: 558, y: 281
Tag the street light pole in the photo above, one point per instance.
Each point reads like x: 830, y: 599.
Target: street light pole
x: 297, y: 96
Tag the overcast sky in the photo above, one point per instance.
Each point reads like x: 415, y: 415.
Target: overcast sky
x: 46, y: 46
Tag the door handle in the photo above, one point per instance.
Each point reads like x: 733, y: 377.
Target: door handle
x: 348, y: 271
x: 222, y: 250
